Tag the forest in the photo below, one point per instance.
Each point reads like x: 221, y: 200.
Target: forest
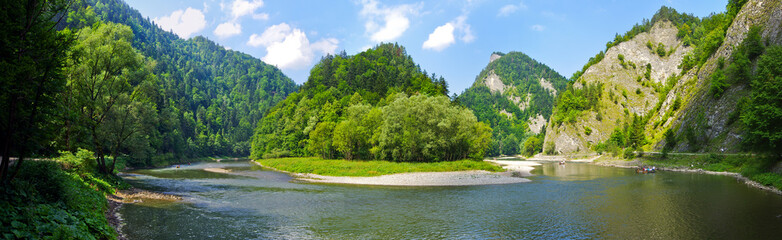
x: 161, y: 99
x: 377, y: 104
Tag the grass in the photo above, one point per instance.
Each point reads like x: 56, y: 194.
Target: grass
x: 359, y: 168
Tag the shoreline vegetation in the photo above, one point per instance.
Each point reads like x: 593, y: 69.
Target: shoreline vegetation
x: 360, y: 168
x: 456, y: 173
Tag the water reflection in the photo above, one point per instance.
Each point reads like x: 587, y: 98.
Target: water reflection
x: 574, y: 201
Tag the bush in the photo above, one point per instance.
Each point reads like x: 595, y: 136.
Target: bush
x: 46, y: 202
x: 551, y: 148
x: 628, y: 154
x: 82, y: 162
x: 661, y: 49
x: 532, y: 146
x: 718, y: 83
x: 768, y: 179
x: 677, y: 103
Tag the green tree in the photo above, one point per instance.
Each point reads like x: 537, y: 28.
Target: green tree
x: 102, y: 63
x: 31, y: 58
x: 532, y: 146
x: 321, y: 140
x: 351, y: 137
x: 670, y: 141
x: 510, y: 145
x: 424, y: 129
x: 718, y: 83
x: 763, y: 115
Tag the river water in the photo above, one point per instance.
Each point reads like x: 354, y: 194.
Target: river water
x: 576, y: 201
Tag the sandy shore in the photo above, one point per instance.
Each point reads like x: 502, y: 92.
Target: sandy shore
x: 462, y: 178
x: 217, y: 170
x: 132, y: 195
x: 522, y: 168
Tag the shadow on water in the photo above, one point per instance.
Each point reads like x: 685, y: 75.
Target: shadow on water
x: 574, y: 201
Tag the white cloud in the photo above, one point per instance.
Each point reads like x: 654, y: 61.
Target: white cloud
x: 289, y: 48
x: 261, y: 16
x: 206, y: 8
x: 326, y: 46
x: 509, y: 9
x: 241, y: 8
x: 461, y: 24
x: 394, y: 20
x: 538, y: 27
x: 228, y: 29
x: 183, y: 22
x: 443, y: 36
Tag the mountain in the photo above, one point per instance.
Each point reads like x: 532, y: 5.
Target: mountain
x: 515, y: 94
x: 208, y: 99
x: 335, y: 84
x: 676, y: 82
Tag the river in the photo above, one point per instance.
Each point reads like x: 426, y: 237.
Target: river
x: 576, y: 201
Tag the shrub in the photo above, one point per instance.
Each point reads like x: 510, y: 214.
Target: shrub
x: 628, y: 154
x: 718, y: 83
x: 661, y: 49
x: 551, y: 148
x: 82, y: 162
x: 587, y: 131
x: 676, y: 103
x: 768, y: 179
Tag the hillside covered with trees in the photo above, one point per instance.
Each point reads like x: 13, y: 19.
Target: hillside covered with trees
x: 377, y: 104
x: 161, y: 98
x: 522, y: 99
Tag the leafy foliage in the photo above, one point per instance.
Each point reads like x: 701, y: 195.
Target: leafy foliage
x: 357, y: 107
x: 45, y: 202
x: 718, y: 83
x: 763, y: 115
x: 423, y: 129
x: 31, y: 58
x: 532, y: 146
x: 574, y: 100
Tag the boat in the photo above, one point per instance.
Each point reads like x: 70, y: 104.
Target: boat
x: 646, y: 170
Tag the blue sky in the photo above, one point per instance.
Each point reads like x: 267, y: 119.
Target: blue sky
x: 452, y: 38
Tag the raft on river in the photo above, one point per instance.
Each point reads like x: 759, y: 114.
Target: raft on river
x: 646, y: 170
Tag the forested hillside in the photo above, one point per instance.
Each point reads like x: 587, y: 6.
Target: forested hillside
x: 205, y: 100
x: 515, y: 94
x: 377, y: 104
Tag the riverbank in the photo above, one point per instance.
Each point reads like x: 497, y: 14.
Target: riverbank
x: 442, y: 178
x: 129, y: 196
x: 697, y: 164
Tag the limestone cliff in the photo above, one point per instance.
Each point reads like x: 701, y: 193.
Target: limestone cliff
x: 638, y: 78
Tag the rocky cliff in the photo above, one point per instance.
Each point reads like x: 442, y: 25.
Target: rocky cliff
x: 642, y: 76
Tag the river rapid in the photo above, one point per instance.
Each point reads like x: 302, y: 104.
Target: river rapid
x: 575, y: 201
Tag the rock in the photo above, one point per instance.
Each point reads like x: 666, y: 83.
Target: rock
x: 494, y: 83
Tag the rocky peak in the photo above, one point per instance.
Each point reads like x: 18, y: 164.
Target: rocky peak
x: 493, y: 57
